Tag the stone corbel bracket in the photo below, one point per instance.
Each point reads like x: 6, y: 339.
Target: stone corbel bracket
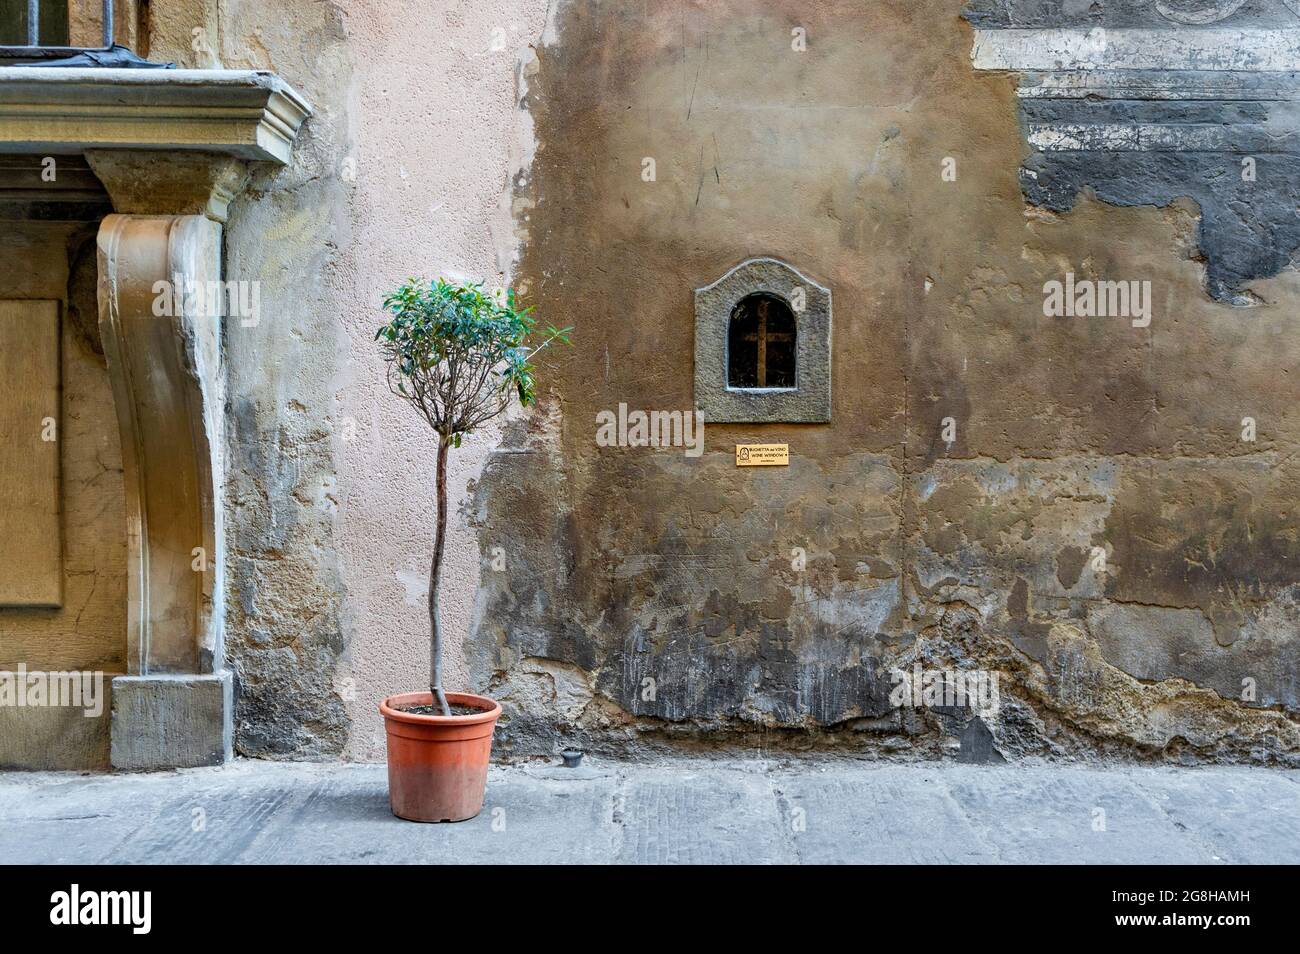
x: 172, y: 148
x: 1146, y: 102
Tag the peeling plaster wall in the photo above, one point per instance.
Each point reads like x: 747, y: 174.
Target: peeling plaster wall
x: 1147, y: 101
x: 504, y: 140
x: 1097, y: 532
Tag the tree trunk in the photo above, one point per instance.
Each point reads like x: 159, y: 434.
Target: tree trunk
x: 435, y: 574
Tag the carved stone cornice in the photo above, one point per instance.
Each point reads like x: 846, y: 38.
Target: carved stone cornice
x: 250, y: 114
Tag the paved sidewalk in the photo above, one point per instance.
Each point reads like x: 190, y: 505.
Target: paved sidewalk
x: 673, y: 812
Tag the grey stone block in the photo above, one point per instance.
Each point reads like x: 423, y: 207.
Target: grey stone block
x: 55, y: 738
x: 171, y: 721
x: 810, y: 400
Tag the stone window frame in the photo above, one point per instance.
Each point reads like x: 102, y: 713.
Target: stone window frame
x: 809, y: 401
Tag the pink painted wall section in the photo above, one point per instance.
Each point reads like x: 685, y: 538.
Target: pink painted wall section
x: 438, y: 138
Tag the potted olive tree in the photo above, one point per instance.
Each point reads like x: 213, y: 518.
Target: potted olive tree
x: 459, y: 356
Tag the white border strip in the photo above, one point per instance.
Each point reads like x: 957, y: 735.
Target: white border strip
x: 1154, y: 137
x: 1248, y: 49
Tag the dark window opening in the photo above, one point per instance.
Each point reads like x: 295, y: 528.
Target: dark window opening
x: 761, y: 344
x: 53, y: 23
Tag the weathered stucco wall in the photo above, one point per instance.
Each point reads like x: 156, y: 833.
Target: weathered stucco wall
x: 285, y: 589
x: 445, y: 137
x: 1073, y: 437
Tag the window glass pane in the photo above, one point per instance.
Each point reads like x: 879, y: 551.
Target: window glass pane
x: 761, y: 344
x: 13, y: 22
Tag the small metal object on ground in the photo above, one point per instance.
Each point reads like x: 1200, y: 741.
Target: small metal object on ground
x: 571, y: 758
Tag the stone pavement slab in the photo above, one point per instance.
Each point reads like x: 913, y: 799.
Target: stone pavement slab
x: 687, y: 811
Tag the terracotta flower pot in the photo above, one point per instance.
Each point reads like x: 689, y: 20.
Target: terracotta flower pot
x: 437, y: 765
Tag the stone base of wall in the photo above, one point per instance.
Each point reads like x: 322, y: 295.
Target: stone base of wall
x: 179, y: 721
x: 56, y: 738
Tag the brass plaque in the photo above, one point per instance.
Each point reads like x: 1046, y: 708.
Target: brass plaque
x: 762, y: 455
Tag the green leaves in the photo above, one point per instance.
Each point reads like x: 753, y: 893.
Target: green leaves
x: 459, y: 354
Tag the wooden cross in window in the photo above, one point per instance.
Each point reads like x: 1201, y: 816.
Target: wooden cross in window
x: 762, y: 336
